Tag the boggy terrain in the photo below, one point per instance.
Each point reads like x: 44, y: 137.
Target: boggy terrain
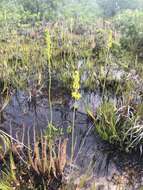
x: 71, y: 97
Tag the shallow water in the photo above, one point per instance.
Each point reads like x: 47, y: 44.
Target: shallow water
x: 107, y: 167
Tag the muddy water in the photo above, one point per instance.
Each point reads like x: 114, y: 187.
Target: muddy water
x: 94, y: 160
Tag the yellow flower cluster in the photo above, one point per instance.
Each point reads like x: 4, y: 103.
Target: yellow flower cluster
x: 76, y: 85
x: 48, y: 43
x: 110, y: 39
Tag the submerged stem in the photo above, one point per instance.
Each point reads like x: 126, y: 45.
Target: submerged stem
x: 73, y: 127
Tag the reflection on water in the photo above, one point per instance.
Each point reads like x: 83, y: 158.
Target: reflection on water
x: 107, y: 166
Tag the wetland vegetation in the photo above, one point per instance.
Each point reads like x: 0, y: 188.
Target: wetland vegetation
x: 71, y: 94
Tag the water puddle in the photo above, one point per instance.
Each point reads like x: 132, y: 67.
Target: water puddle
x: 108, y: 168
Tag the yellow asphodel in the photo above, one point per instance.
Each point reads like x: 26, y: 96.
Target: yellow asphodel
x: 76, y: 85
x: 48, y: 44
x: 110, y: 39
x: 76, y: 95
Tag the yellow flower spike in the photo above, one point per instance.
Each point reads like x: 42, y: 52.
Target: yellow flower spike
x: 48, y: 43
x: 110, y: 39
x: 76, y: 85
x: 76, y: 95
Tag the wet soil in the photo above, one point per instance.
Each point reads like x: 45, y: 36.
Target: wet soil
x: 101, y: 164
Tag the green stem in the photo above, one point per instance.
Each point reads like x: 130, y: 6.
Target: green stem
x: 105, y: 79
x: 49, y: 91
x: 73, y: 127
